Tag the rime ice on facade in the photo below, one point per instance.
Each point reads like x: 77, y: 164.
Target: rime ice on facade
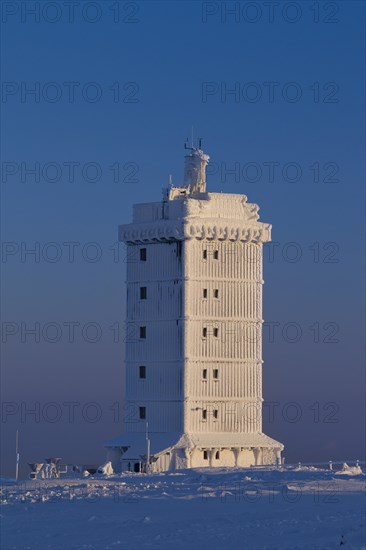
x: 193, y: 356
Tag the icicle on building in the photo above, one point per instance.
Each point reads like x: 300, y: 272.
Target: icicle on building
x: 193, y: 357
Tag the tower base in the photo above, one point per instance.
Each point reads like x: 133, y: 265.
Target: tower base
x: 173, y: 451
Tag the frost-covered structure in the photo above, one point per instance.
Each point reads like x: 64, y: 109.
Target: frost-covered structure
x: 193, y: 357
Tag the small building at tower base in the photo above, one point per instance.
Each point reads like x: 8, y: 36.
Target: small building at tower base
x: 171, y: 452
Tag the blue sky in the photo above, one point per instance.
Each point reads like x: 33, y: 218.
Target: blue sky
x: 165, y: 63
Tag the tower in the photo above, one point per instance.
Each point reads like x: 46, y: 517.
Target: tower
x: 193, y: 358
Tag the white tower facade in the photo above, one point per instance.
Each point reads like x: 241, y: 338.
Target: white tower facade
x: 193, y: 358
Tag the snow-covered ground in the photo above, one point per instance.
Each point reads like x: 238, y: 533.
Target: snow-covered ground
x: 303, y: 508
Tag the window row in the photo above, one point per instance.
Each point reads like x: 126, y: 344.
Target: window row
x: 205, y: 332
x: 205, y: 413
x: 215, y: 373
x: 206, y: 253
x: 214, y: 253
x: 205, y: 455
x: 211, y: 330
x: 143, y: 293
x: 215, y: 293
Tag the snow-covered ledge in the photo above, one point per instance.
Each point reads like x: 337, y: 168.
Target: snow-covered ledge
x: 212, y: 230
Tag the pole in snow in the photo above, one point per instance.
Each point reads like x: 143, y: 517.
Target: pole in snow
x: 148, y: 449
x: 16, y: 455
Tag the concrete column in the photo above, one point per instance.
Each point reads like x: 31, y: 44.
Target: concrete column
x: 257, y: 456
x: 188, y: 456
x: 211, y: 454
x: 236, y: 452
x: 278, y: 457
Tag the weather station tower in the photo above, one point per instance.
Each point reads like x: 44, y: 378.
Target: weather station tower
x: 193, y: 352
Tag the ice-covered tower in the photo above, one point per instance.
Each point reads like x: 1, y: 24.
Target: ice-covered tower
x: 193, y: 357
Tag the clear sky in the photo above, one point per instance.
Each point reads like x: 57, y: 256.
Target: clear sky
x: 276, y: 93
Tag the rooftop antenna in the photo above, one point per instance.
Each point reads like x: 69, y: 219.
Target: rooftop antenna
x: 170, y: 180
x: 191, y: 148
x: 186, y: 147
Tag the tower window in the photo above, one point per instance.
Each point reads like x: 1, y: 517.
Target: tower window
x: 143, y: 292
x: 142, y: 372
x: 205, y: 455
x: 205, y: 254
x: 142, y: 332
x: 216, y: 414
x: 143, y: 255
x: 142, y: 413
x: 204, y: 414
x: 216, y: 373
x: 217, y: 455
x: 204, y: 374
x: 216, y: 332
x: 216, y: 255
x: 216, y: 293
x: 205, y: 292
x: 204, y: 332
